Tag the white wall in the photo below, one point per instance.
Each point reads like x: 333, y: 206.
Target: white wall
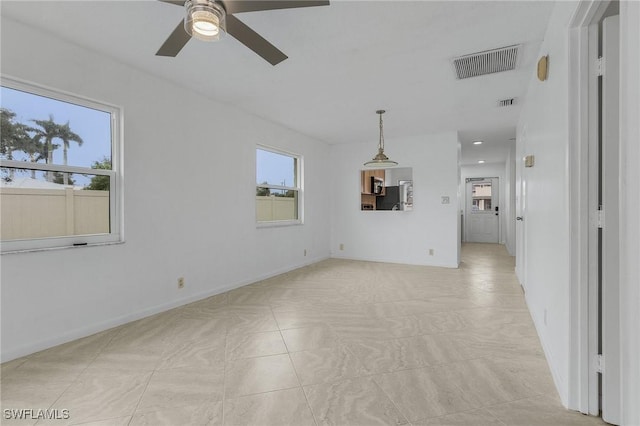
x: 400, y: 237
x: 481, y: 171
x: 393, y: 175
x: 546, y: 225
x: 172, y: 156
x: 544, y: 125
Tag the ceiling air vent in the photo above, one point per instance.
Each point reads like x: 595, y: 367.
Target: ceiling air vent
x: 507, y: 102
x: 487, y: 62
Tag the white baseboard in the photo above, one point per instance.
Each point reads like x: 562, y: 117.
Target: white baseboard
x: 78, y: 333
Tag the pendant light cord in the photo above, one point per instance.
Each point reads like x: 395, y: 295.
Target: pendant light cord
x: 381, y: 142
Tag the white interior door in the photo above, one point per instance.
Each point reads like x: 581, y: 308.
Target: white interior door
x: 521, y: 197
x: 609, y: 240
x: 482, y: 211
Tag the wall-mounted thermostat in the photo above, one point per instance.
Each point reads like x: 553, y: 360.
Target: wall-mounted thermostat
x: 529, y: 161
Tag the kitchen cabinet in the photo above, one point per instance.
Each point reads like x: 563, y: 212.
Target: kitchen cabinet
x: 367, y: 182
x: 371, y: 186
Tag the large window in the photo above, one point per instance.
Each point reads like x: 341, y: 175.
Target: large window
x: 278, y: 187
x: 59, y: 169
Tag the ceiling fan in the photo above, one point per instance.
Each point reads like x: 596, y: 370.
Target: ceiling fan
x: 208, y: 19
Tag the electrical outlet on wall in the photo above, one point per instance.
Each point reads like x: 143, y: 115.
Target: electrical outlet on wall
x: 181, y: 282
x: 305, y: 252
x: 341, y: 246
x: 431, y: 252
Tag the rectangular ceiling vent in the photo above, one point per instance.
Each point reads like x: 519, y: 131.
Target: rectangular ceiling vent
x: 487, y: 62
x: 507, y: 102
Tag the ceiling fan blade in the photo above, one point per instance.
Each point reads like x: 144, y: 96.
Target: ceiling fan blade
x: 239, y: 6
x: 176, y: 41
x: 176, y: 2
x: 254, y: 41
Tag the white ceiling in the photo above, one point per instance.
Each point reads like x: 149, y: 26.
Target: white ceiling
x: 345, y: 61
x: 494, y: 147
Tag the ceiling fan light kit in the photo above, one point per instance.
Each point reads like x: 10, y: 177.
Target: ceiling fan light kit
x: 380, y: 161
x: 204, y: 20
x: 208, y: 20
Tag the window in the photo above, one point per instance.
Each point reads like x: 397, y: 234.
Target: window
x: 59, y: 169
x: 278, y: 187
x: 481, y: 196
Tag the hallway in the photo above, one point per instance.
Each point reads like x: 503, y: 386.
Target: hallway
x: 339, y: 342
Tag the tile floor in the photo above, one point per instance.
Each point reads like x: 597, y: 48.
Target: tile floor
x: 336, y: 343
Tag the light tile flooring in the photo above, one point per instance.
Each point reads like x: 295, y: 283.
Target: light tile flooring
x: 336, y: 343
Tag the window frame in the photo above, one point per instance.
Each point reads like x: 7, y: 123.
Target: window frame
x: 299, y: 188
x: 116, y: 211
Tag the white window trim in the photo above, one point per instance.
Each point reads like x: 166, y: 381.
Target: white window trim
x: 116, y: 196
x: 300, y: 188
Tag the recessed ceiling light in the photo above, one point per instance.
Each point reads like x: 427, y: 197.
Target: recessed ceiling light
x: 477, y: 142
x: 480, y: 161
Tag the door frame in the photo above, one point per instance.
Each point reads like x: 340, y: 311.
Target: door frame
x: 521, y: 210
x: 583, y: 207
x: 629, y: 206
x: 581, y: 332
x: 610, y: 238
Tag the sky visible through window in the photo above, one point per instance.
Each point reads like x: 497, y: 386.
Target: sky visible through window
x: 93, y: 126
x: 274, y: 169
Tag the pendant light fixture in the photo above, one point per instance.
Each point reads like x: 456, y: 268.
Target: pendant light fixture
x: 380, y: 161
